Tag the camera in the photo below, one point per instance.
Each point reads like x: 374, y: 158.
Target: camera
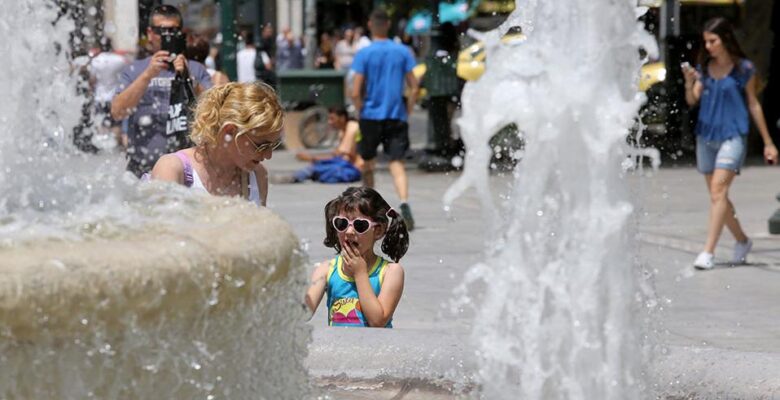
x: 174, y: 42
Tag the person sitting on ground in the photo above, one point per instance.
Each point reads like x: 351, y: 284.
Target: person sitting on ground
x: 236, y: 127
x: 363, y: 288
x: 342, y: 165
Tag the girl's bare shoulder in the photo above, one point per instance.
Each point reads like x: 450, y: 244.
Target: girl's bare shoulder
x: 395, y: 268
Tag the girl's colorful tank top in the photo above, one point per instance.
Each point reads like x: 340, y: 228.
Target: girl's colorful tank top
x: 343, y: 301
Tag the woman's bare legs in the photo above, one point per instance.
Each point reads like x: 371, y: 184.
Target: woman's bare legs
x: 721, y: 209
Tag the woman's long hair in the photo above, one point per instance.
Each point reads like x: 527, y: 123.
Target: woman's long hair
x: 248, y: 106
x: 722, y: 27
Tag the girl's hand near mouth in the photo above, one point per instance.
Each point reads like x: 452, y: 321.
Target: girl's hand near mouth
x: 353, y: 260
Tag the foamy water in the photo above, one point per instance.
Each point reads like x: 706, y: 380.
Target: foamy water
x: 113, y: 289
x: 560, y: 314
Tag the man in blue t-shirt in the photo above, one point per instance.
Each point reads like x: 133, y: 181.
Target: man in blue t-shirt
x: 143, y: 94
x: 381, y: 70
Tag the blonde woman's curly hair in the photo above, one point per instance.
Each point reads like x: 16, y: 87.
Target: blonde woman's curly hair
x: 248, y: 106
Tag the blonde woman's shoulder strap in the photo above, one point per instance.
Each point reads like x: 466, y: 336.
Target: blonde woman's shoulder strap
x: 245, y: 184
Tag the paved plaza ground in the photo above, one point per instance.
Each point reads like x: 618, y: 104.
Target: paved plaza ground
x: 718, y: 331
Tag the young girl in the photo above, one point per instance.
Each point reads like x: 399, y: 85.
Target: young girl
x: 237, y: 125
x: 724, y: 84
x: 363, y: 288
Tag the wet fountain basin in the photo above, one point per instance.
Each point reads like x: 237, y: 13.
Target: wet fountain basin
x: 157, y: 312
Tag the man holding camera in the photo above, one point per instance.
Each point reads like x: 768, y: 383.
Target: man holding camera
x: 144, y: 93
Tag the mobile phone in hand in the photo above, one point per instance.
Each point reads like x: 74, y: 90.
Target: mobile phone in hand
x: 685, y: 65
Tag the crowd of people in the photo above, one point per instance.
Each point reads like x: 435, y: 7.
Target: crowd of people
x: 233, y: 127
x: 180, y: 120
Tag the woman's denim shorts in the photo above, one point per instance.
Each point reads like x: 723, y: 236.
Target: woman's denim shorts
x: 724, y: 154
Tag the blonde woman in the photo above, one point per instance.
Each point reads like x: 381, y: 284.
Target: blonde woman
x: 236, y: 127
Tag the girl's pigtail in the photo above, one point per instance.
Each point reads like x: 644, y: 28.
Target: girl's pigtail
x: 331, y: 237
x: 396, y: 240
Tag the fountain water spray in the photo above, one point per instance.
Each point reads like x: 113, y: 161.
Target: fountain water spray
x: 556, y: 300
x: 111, y: 289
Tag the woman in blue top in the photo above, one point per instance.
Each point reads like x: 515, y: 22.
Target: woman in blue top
x: 363, y: 288
x: 724, y: 85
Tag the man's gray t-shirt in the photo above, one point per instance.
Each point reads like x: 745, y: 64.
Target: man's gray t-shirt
x: 146, y: 133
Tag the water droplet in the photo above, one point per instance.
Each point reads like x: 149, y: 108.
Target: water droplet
x: 457, y: 161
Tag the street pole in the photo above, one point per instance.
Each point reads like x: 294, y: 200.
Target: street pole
x: 435, y: 27
x: 227, y: 9
x: 310, y: 31
x: 258, y: 28
x: 677, y: 124
x: 442, y: 84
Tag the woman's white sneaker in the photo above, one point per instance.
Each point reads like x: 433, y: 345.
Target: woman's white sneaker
x: 741, y: 250
x: 704, y: 261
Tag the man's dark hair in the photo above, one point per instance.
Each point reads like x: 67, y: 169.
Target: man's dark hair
x: 249, y: 38
x: 340, y: 111
x: 165, y: 11
x: 197, y: 48
x: 379, y: 16
x: 105, y: 44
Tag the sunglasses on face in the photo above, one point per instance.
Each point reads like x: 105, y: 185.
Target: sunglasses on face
x: 259, y: 148
x: 361, y: 225
x: 166, y: 30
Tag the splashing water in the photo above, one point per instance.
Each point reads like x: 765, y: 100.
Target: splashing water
x: 111, y: 289
x: 557, y: 296
x: 38, y: 109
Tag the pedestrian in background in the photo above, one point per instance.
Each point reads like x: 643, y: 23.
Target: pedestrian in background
x: 104, y: 70
x: 345, y: 51
x: 245, y: 59
x: 361, y: 40
x: 145, y: 93
x: 381, y: 70
x: 198, y: 49
x: 267, y: 41
x: 724, y: 85
x: 289, y: 51
x: 325, y: 58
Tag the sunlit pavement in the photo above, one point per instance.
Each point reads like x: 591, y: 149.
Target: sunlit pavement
x: 717, y: 332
